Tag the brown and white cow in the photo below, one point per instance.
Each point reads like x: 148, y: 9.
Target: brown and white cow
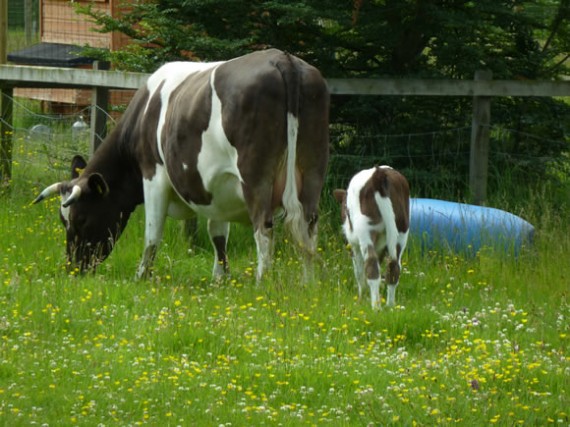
x: 375, y: 213
x: 232, y: 141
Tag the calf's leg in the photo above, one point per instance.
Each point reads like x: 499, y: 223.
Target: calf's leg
x: 358, y: 266
x: 372, y: 272
x: 392, y: 279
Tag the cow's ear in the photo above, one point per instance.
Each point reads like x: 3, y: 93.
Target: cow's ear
x: 97, y: 184
x: 77, y: 165
x: 339, y: 195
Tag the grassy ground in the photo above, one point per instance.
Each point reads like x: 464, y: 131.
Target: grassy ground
x: 472, y: 342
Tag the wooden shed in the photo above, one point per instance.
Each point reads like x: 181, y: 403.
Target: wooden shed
x: 63, y: 33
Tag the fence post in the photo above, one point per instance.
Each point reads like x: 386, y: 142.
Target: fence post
x: 6, y: 117
x: 6, y: 107
x: 3, y: 31
x: 99, y: 107
x: 479, y: 153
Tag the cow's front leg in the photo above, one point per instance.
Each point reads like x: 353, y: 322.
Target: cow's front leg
x: 156, y: 203
x: 152, y: 237
x: 149, y: 253
x: 219, y: 232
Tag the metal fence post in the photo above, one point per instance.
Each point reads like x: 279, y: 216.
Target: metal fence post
x: 99, y: 108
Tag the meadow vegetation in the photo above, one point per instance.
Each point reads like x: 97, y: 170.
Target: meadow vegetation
x: 472, y: 341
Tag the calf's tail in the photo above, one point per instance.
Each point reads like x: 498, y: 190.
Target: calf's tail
x: 389, y: 217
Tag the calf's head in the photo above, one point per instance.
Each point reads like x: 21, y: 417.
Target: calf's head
x: 91, y: 220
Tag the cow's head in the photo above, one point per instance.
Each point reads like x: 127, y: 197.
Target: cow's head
x: 93, y: 222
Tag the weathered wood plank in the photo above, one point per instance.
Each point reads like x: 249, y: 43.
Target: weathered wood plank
x: 27, y: 76
x: 426, y: 87
x: 99, y: 108
x: 32, y: 76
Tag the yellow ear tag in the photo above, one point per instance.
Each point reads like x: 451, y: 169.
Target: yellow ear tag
x: 79, y: 171
x: 100, y: 189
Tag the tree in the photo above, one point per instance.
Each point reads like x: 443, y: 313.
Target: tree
x: 515, y: 39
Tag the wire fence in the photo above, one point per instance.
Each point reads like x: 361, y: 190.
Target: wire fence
x: 435, y: 162
x: 23, y: 24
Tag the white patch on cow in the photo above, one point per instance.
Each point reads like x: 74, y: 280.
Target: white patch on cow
x: 156, y: 192
x: 184, y: 166
x: 64, y: 208
x: 217, y: 160
x: 173, y: 75
x: 64, y: 211
x: 218, y: 168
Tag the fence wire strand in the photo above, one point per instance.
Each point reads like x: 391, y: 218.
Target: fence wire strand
x: 47, y: 141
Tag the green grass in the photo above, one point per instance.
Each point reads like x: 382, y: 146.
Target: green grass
x: 472, y: 342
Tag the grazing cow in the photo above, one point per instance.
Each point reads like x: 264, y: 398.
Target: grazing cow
x: 232, y: 141
x: 375, y: 213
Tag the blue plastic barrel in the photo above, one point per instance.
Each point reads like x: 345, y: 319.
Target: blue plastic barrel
x: 465, y: 228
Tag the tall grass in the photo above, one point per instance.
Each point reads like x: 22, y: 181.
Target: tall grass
x: 473, y: 341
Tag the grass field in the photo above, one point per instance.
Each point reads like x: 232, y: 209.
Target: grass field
x: 472, y: 342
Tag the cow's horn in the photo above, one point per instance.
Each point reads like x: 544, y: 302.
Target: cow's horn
x: 52, y: 189
x: 75, y: 194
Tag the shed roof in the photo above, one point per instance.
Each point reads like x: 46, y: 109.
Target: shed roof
x: 51, y: 55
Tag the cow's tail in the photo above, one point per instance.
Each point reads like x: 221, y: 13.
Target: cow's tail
x: 294, y: 213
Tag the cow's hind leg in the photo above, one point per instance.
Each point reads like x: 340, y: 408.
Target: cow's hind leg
x: 259, y: 201
x: 219, y: 232
x: 264, y: 242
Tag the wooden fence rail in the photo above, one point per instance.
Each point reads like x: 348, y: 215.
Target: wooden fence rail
x: 481, y: 89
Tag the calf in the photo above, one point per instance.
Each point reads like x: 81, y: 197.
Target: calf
x: 375, y: 212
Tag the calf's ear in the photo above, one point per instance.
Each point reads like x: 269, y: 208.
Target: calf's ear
x: 97, y: 184
x: 339, y: 195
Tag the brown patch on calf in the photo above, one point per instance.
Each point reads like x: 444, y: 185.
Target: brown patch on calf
x: 400, y: 197
x: 393, y: 273
x: 390, y: 183
x: 368, y: 204
x: 371, y: 264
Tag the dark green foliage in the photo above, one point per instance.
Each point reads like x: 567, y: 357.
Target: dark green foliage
x: 527, y: 40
